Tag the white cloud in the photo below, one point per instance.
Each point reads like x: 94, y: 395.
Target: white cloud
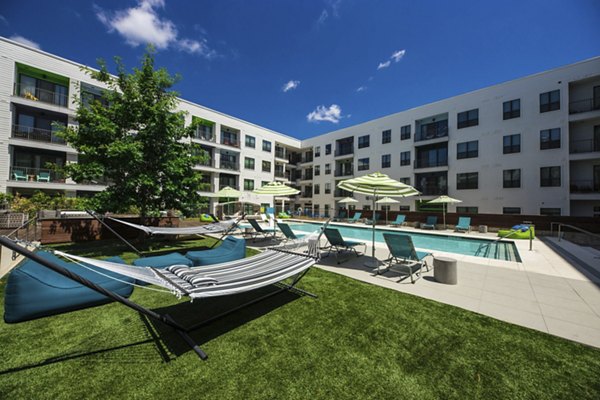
x: 25, y: 41
x: 323, y: 17
x: 334, y: 6
x: 321, y: 113
x: 290, y: 86
x: 361, y: 89
x: 142, y: 24
x: 384, y: 64
x: 397, y: 55
x: 3, y: 19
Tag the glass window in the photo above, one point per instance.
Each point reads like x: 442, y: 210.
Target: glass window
x: 327, y: 149
x: 467, y: 149
x: 266, y: 166
x: 404, y: 208
x: 363, y: 164
x: 553, y: 212
x: 405, y: 158
x: 405, y: 132
x: 386, y: 136
x: 328, y: 188
x: 318, y: 151
x: 266, y: 146
x: 511, y: 109
x: 550, y: 101
x: 363, y: 141
x: 327, y: 169
x: 316, y: 189
x: 468, y: 118
x: 550, y: 176
x: 386, y: 160
x: 467, y: 210
x: 511, y: 210
x: 550, y: 139
x: 249, y: 163
x: 248, y: 184
x: 250, y: 141
x: 317, y: 170
x: 511, y: 178
x: 511, y: 144
x: 467, y: 180
x: 405, y: 180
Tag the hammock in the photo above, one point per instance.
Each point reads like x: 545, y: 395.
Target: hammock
x: 217, y: 227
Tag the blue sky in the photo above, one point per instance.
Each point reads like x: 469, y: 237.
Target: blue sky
x: 308, y: 67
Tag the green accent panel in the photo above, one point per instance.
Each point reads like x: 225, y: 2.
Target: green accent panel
x: 41, y: 74
x: 202, y: 121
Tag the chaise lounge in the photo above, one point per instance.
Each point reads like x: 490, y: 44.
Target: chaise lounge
x: 403, y: 257
x: 430, y: 223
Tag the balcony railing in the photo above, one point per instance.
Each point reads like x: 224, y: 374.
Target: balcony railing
x: 307, y: 177
x: 280, y: 153
x: 432, y: 131
x: 344, y: 151
x: 585, y: 186
x: 36, y: 134
x: 232, y: 166
x: 203, y: 135
x: 430, y: 164
x: 342, y: 193
x: 207, y: 163
x: 343, y: 172
x: 42, y: 95
x: 279, y: 174
x: 580, y: 106
x: 230, y: 142
x: 584, y: 146
x: 306, y: 194
x: 27, y: 174
x: 222, y: 185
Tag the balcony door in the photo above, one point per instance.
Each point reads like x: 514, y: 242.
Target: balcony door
x: 596, y: 178
x: 596, y: 97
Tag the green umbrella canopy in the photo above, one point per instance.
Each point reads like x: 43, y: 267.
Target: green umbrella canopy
x: 228, y: 192
x: 348, y: 200
x: 445, y: 199
x: 387, y: 200
x: 276, y: 189
x: 377, y: 184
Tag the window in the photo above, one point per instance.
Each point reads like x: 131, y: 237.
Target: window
x: 405, y: 158
x: 318, y: 151
x: 363, y: 164
x: 404, y: 208
x: 266, y: 146
x: 250, y: 141
x: 467, y: 210
x: 549, y: 176
x: 596, y: 211
x: 550, y: 101
x: 550, y: 139
x: 405, y: 132
x: 317, y: 170
x: 363, y: 141
x: 553, y: 212
x: 328, y: 188
x: 386, y: 160
x: 511, y: 178
x: 249, y: 163
x: 511, y: 109
x: 316, y: 189
x: 511, y: 210
x: 467, y: 149
x: 405, y: 180
x: 468, y: 118
x: 467, y: 180
x: 263, y: 183
x: 248, y: 184
x: 327, y: 169
x: 327, y: 149
x: 511, y: 144
x: 386, y: 136
x: 266, y: 166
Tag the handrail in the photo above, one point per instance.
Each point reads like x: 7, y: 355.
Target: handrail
x: 572, y: 227
x: 22, y: 226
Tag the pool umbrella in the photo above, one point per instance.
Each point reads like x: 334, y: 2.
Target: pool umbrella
x: 443, y: 200
x: 228, y: 192
x: 347, y: 201
x: 276, y: 189
x: 387, y: 200
x: 377, y: 184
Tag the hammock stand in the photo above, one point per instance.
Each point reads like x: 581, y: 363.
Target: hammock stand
x: 164, y: 318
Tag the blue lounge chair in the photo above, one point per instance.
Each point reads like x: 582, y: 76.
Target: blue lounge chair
x: 370, y: 221
x: 267, y: 233
x: 288, y: 233
x: 400, y: 220
x: 403, y: 256
x: 341, y: 216
x: 43, y: 176
x: 355, y: 217
x: 339, y: 244
x: 231, y: 249
x: 430, y: 223
x: 463, y: 225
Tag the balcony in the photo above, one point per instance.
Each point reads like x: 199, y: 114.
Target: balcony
x: 230, y: 142
x: 34, y: 92
x: 425, y: 163
x: 584, y: 146
x: 432, y: 130
x: 342, y: 193
x: 207, y: 163
x: 584, y: 186
x: 229, y: 165
x: 27, y: 174
x: 202, y: 134
x: 280, y: 153
x: 307, y: 177
x: 232, y: 185
x: 279, y: 174
x: 307, y: 194
x: 344, y: 151
x: 344, y: 172
x: 581, y: 106
x: 36, y: 134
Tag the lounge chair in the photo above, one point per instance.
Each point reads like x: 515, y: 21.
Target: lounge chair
x: 339, y: 244
x: 355, y: 217
x: 370, y: 221
x: 463, y: 225
x: 403, y: 256
x: 43, y: 177
x: 267, y: 233
x: 430, y: 223
x: 19, y: 175
x: 288, y: 233
x: 341, y: 216
x: 400, y: 220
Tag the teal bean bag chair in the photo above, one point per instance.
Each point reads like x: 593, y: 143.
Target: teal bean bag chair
x: 230, y: 250
x: 34, y: 291
x: 163, y: 261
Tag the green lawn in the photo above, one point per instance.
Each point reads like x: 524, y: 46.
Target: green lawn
x: 355, y: 341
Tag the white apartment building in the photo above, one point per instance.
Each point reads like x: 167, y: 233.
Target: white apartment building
x: 529, y: 146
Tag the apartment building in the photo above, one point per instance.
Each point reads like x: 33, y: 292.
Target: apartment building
x: 529, y: 146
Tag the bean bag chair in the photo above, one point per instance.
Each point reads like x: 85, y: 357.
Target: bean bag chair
x: 206, y: 218
x: 34, y: 291
x: 163, y: 261
x: 517, y: 232
x: 230, y: 250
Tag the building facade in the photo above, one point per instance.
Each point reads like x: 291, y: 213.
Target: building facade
x: 529, y: 146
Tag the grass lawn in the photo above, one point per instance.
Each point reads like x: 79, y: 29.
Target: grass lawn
x: 355, y: 341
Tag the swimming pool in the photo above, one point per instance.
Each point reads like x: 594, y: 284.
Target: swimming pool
x: 485, y: 248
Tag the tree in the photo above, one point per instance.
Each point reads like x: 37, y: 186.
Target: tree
x: 134, y: 139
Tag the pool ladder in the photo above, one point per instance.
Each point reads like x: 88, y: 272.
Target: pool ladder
x: 501, y: 250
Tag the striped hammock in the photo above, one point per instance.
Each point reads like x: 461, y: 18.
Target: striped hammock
x: 217, y: 227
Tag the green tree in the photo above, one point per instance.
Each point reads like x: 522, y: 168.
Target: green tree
x: 134, y: 139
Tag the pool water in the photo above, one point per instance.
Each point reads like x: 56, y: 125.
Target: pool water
x: 486, y: 248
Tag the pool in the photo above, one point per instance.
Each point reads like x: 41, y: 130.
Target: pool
x: 485, y: 248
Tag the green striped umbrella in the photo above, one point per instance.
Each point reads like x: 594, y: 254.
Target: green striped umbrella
x: 276, y: 189
x: 228, y: 192
x: 377, y: 184
x: 387, y: 200
x: 443, y: 200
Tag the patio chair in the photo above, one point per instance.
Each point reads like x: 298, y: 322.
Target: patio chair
x: 19, y: 174
x: 339, y: 244
x: 341, y: 216
x: 430, y: 223
x: 267, y: 233
x: 288, y: 233
x: 403, y: 257
x: 43, y: 176
x: 370, y: 221
x: 400, y: 220
x: 463, y: 225
x: 355, y: 217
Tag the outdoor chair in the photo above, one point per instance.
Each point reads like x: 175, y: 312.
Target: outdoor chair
x: 355, y: 217
x: 267, y: 233
x: 377, y: 217
x: 19, y: 175
x: 430, y: 223
x: 43, y: 176
x: 339, y: 244
x: 403, y: 257
x: 400, y: 220
x: 288, y: 233
x: 463, y: 225
x: 341, y: 216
